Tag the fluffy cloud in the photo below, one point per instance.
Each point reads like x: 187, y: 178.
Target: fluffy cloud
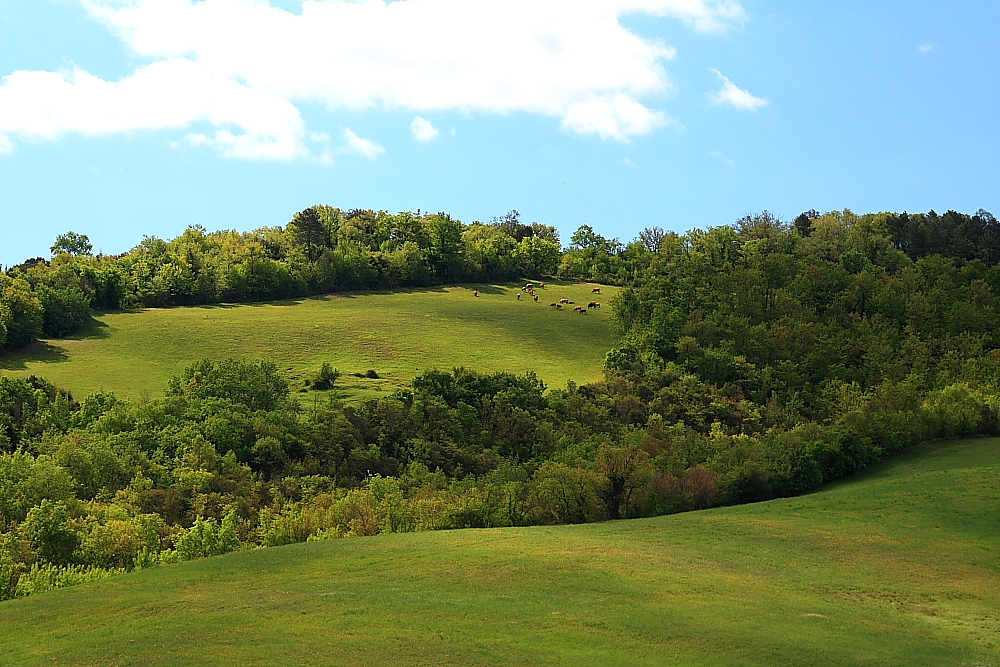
x: 732, y: 94
x: 571, y: 60
x: 166, y: 94
x: 423, y: 130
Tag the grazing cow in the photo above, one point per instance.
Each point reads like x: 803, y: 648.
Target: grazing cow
x: 583, y: 311
x: 542, y: 285
x: 596, y: 290
x: 594, y: 304
x: 554, y: 305
x: 578, y: 309
x: 558, y: 306
x: 529, y: 286
x: 563, y: 300
x: 475, y: 292
x: 535, y: 297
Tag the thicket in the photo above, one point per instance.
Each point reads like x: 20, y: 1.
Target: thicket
x: 754, y: 361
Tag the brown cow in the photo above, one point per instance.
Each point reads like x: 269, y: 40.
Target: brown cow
x: 558, y: 306
x: 563, y: 300
x: 535, y: 297
x: 529, y: 286
x: 578, y: 309
x: 596, y: 290
x: 594, y: 304
x: 554, y: 305
x: 542, y: 285
x: 475, y: 292
x: 583, y: 311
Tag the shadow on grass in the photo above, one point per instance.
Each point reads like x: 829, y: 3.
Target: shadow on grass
x: 93, y: 329
x: 483, y: 288
x: 38, y: 352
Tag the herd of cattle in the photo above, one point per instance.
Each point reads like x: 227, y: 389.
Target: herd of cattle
x: 530, y: 289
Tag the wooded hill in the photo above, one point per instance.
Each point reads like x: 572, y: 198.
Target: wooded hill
x: 756, y: 360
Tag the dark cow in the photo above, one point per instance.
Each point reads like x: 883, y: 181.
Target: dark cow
x: 594, y: 304
x: 559, y: 306
x: 535, y: 297
x: 475, y: 292
x: 596, y: 290
x: 578, y: 309
x: 555, y: 305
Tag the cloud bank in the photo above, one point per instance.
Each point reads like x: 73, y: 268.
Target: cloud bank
x: 241, y: 66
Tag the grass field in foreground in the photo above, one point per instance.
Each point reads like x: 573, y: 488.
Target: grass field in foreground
x: 398, y: 334
x: 899, y: 567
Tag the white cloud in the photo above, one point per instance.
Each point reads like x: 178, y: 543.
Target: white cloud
x: 730, y: 93
x: 359, y: 146
x: 423, y: 130
x: 571, y: 60
x: 166, y: 94
x: 926, y: 47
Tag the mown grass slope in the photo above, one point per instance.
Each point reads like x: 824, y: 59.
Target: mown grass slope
x: 898, y: 567
x: 398, y: 334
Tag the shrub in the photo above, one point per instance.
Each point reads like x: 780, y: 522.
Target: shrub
x: 325, y: 378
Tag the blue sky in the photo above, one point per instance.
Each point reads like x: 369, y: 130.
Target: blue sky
x: 120, y: 118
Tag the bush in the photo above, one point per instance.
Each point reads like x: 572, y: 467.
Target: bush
x: 325, y: 378
x: 46, y: 577
x: 65, y: 311
x: 207, y: 538
x: 256, y: 385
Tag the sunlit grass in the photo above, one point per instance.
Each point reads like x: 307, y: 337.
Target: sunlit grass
x: 398, y: 334
x: 898, y: 567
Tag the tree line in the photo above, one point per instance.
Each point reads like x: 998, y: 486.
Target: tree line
x: 325, y: 249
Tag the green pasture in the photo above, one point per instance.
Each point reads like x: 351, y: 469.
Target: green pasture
x: 397, y: 334
x: 898, y: 567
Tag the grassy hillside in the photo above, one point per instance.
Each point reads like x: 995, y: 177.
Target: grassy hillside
x: 398, y: 334
x: 899, y: 567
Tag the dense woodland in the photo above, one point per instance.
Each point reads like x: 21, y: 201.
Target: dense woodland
x: 755, y: 360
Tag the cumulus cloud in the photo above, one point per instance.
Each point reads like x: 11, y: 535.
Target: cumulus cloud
x: 732, y: 94
x: 356, y: 145
x: 423, y: 130
x: 571, y: 60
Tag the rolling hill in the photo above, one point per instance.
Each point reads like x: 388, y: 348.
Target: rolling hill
x: 398, y: 334
x: 900, y: 566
